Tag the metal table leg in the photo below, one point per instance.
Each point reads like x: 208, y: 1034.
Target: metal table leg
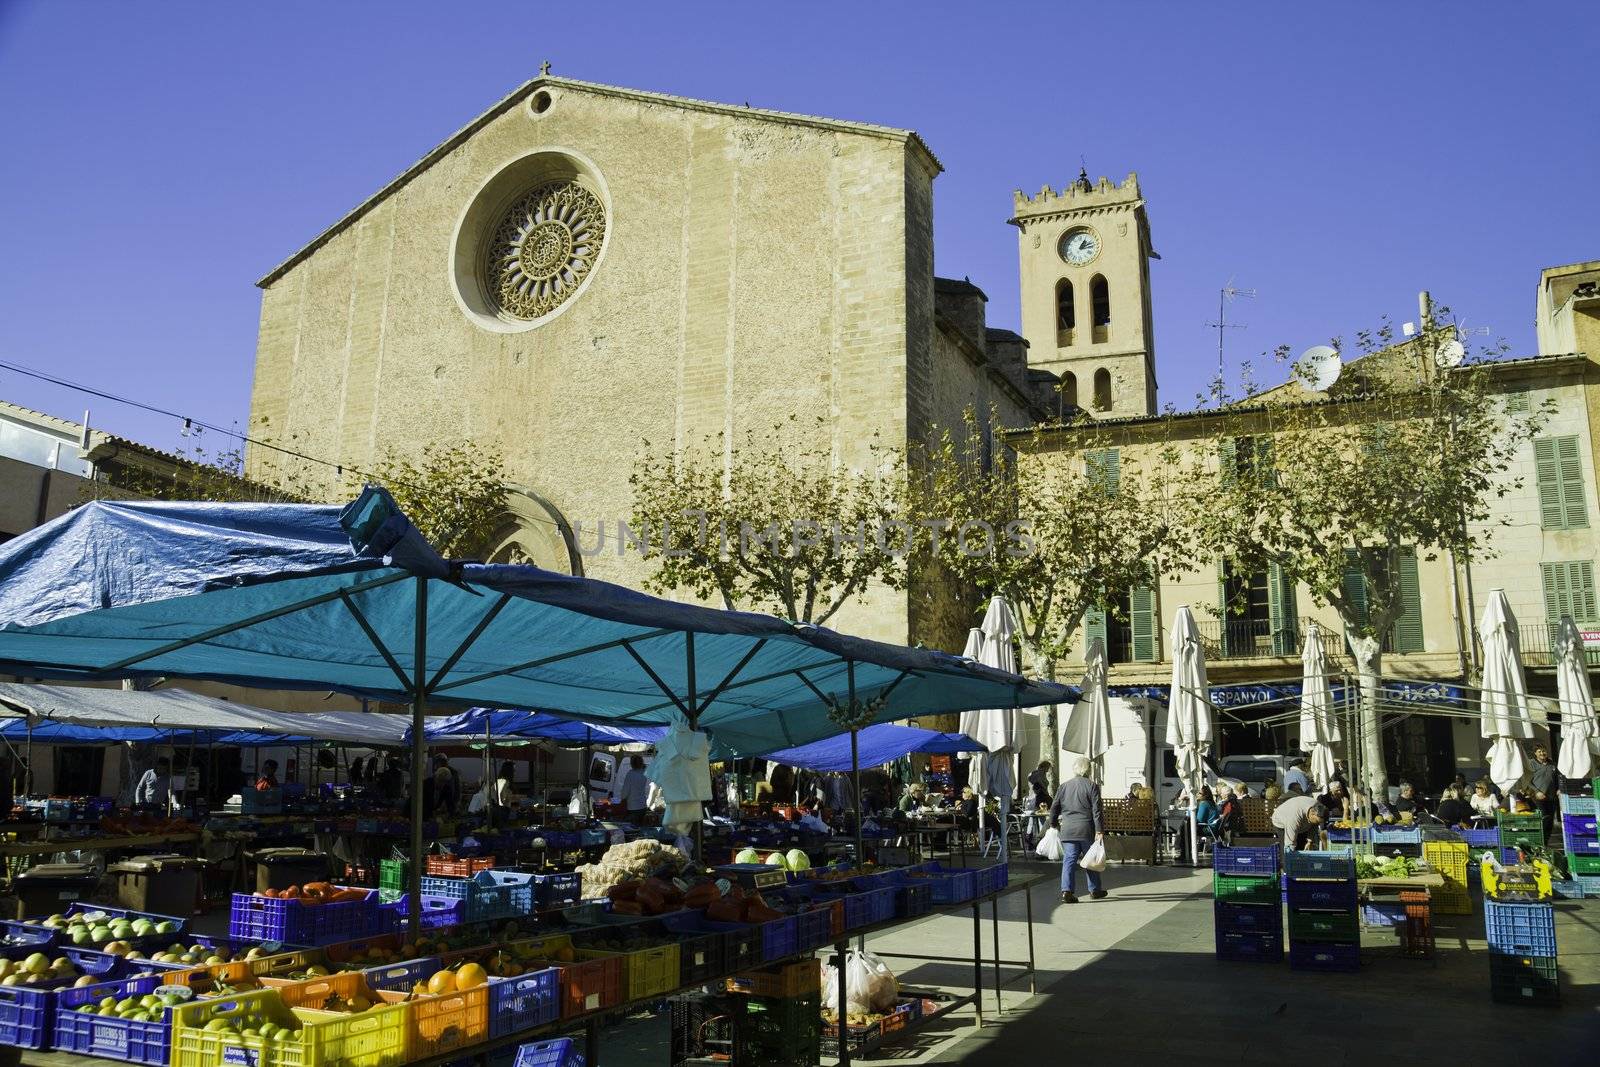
x: 1027, y: 896
x: 994, y: 920
x: 977, y: 962
x: 591, y: 1043
x: 839, y: 949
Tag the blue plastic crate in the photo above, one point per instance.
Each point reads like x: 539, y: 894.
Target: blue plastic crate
x: 1250, y: 948
x: 1520, y: 929
x: 1248, y: 918
x: 557, y: 1052
x: 1580, y: 825
x: 21, y: 935
x: 912, y: 899
x: 993, y: 878
x: 1245, y: 861
x: 27, y: 1014
x: 863, y: 908
x: 1481, y: 838
x: 1322, y: 896
x: 1324, y: 956
x: 780, y: 938
x: 555, y: 890
x: 1589, y: 883
x: 92, y: 1034
x: 486, y: 898
x: 813, y: 928
x: 1337, y: 863
x: 436, y: 912
x: 1382, y: 913
x: 951, y: 886
x: 401, y: 977
x: 1397, y: 835
x: 1582, y: 846
x: 253, y: 918
x: 523, y: 1003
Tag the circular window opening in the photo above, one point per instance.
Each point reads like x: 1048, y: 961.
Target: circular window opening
x: 539, y: 103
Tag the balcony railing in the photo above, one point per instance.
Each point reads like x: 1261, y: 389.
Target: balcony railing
x: 1256, y: 639
x: 1538, y: 640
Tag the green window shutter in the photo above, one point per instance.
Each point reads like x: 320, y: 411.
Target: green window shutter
x: 1282, y: 612
x: 1557, y: 598
x: 1228, y: 460
x: 1355, y: 585
x: 1517, y: 402
x: 1094, y: 625
x: 1580, y: 576
x: 1264, y: 466
x: 1142, y: 617
x: 1570, y: 466
x: 1569, y: 590
x: 1408, y: 627
x: 1101, y: 466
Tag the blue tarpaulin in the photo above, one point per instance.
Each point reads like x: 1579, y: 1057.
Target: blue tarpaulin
x: 490, y: 724
x: 876, y: 745
x: 295, y: 596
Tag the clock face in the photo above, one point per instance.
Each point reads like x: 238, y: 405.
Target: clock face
x: 1079, y: 246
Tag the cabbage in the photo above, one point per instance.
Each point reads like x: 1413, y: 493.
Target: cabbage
x: 776, y: 860
x: 749, y: 855
x: 798, y: 860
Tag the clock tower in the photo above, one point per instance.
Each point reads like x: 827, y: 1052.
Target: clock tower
x: 1085, y: 258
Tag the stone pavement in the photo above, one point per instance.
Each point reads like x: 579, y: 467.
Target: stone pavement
x: 1134, y: 978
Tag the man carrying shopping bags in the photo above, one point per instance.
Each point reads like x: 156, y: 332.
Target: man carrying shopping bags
x: 1078, y: 814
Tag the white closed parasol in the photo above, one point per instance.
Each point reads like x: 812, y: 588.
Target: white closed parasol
x: 1579, y: 730
x: 1318, y: 727
x: 1189, y: 711
x: 1088, y: 729
x: 1503, y: 699
x: 997, y: 727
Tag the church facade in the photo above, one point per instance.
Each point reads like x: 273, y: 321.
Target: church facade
x: 584, y: 271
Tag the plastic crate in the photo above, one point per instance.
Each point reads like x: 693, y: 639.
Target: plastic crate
x: 1259, y: 862
x: 646, y: 972
x: 1481, y: 838
x: 1342, y: 927
x: 1324, y: 956
x: 1524, y: 979
x: 949, y: 886
x: 992, y: 879
x: 376, y: 1037
x: 586, y: 985
x: 27, y: 1013
x: 1322, y: 896
x: 195, y: 1046
x: 524, y: 1003
x: 1507, y: 820
x: 1250, y: 948
x: 701, y: 956
x: 781, y: 1028
x: 1236, y: 889
x: 92, y: 1034
x: 15, y: 934
x: 1416, y: 933
x: 557, y: 1052
x: 1582, y: 846
x: 1382, y: 913
x: 741, y: 945
x: 438, y: 1025
x: 1584, y: 865
x: 784, y: 980
x: 1580, y: 825
x: 1248, y: 918
x: 1397, y: 835
x: 555, y: 890
x: 912, y: 899
x: 436, y: 912
x: 456, y: 866
x: 485, y: 899
x: 1337, y: 863
x: 253, y: 918
x: 813, y: 927
x: 519, y: 883
x: 1577, y: 805
x: 402, y: 977
x: 1520, y: 929
x: 392, y: 875
x: 1448, y: 859
x: 1452, y: 902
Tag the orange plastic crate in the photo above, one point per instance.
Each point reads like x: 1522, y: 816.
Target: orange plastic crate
x: 457, y: 866
x: 440, y: 1024
x: 784, y: 980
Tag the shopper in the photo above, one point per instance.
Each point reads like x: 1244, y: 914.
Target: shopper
x: 1300, y: 821
x: 155, y: 787
x: 635, y: 792
x: 1297, y: 776
x: 1039, y: 781
x: 1544, y: 783
x: 1077, y: 813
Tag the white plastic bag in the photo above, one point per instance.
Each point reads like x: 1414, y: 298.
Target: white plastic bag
x: 870, y: 985
x: 1049, y: 846
x: 1095, y: 858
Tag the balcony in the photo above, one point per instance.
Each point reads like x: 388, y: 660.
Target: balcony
x: 1236, y: 639
x: 1538, y: 640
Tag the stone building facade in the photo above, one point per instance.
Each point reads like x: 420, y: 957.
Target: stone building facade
x: 583, y: 269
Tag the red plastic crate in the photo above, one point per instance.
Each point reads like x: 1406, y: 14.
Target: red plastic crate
x: 457, y: 866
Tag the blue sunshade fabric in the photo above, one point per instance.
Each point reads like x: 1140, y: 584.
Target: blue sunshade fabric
x: 271, y: 596
x: 493, y: 724
x: 876, y: 745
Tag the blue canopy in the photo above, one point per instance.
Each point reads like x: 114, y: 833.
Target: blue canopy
x: 354, y: 600
x: 65, y: 733
x: 883, y: 743
x: 491, y: 724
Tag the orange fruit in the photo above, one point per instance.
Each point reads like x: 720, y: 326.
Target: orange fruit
x: 442, y: 982
x: 470, y: 976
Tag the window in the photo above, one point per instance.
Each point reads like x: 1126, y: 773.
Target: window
x: 1128, y: 630
x: 1406, y: 633
x: 1560, y: 476
x: 1569, y: 590
x: 1066, y: 313
x: 1246, y: 459
x: 1069, y: 390
x: 1102, y: 466
x: 1102, y: 390
x: 1251, y: 771
x: 1260, y: 615
x: 1100, y: 310
x: 1517, y: 402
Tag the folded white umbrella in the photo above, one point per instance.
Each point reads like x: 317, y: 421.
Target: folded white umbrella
x: 969, y: 719
x: 1088, y: 730
x: 1318, y: 727
x: 1579, y: 730
x: 1503, y: 701
x: 1189, y: 711
x: 997, y: 727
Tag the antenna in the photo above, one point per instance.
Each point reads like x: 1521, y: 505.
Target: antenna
x: 1450, y: 354
x: 1318, y: 368
x: 1222, y: 325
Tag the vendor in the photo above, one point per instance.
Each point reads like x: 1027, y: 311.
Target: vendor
x: 268, y: 778
x: 1410, y: 801
x: 1300, y: 820
x: 635, y: 791
x: 1336, y: 801
x: 155, y: 787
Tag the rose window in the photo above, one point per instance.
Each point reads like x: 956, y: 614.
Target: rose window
x: 543, y: 247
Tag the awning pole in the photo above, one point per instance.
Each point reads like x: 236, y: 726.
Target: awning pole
x: 855, y: 767
x: 419, y: 750
x: 694, y: 720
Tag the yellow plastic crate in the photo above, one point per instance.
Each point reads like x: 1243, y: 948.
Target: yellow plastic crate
x: 646, y: 972
x: 321, y: 1038
x: 439, y: 1024
x: 373, y: 1038
x: 263, y: 970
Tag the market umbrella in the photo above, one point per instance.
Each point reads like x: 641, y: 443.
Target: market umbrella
x: 1318, y: 727
x: 1578, y: 726
x: 1088, y: 730
x: 1189, y: 712
x: 977, y: 760
x: 997, y: 727
x: 1503, y: 698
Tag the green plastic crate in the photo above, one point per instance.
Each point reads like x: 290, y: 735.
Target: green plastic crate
x: 392, y: 876
x: 1242, y: 889
x: 1583, y: 865
x: 1338, y: 926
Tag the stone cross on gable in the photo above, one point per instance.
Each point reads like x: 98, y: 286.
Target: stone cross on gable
x: 544, y: 69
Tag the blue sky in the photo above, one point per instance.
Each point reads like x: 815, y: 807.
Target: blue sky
x: 161, y: 156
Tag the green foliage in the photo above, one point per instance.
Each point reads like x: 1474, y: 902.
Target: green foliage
x: 774, y: 522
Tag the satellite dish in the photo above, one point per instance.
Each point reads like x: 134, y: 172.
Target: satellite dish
x: 1450, y: 354
x: 1318, y: 368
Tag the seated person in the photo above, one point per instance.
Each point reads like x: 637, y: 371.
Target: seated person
x: 1483, y: 804
x: 1410, y: 801
x: 1207, y: 814
x: 1336, y: 801
x: 916, y: 793
x: 1456, y: 790
x: 967, y: 809
x: 1453, y: 812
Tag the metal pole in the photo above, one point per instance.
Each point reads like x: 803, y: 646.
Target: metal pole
x: 694, y: 721
x: 419, y: 754
x: 855, y: 761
